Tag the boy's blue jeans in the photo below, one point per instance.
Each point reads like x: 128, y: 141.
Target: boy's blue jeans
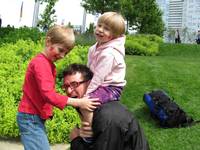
x: 32, y: 131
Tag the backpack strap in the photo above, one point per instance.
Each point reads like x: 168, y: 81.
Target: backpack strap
x: 193, y: 123
x: 190, y: 122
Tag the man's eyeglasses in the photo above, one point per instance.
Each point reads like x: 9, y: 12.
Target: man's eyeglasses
x: 73, y: 84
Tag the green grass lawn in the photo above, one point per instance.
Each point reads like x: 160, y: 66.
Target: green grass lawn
x: 178, y: 73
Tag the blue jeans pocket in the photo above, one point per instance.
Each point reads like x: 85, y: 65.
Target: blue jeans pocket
x: 26, y: 124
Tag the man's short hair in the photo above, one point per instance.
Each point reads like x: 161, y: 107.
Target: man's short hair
x: 72, y: 69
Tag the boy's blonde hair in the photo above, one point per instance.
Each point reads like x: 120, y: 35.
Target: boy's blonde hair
x: 115, y: 21
x: 61, y: 35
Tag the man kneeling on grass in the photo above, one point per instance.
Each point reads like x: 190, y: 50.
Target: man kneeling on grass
x: 113, y: 126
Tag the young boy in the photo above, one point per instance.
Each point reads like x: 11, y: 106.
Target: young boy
x: 106, y: 60
x: 39, y: 95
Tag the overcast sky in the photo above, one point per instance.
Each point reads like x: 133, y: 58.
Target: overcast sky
x: 66, y: 11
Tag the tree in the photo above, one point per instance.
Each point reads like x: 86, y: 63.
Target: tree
x: 127, y: 9
x: 101, y: 6
x: 90, y: 30
x: 142, y: 15
x: 149, y: 17
x: 48, y: 17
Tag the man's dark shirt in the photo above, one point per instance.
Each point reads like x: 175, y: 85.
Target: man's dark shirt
x: 114, y: 128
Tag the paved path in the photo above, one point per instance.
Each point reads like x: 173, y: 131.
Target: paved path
x: 16, y: 145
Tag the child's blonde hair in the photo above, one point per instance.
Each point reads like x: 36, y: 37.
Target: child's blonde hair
x: 115, y: 21
x: 61, y: 35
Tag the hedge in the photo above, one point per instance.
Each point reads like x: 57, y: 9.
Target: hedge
x: 139, y: 44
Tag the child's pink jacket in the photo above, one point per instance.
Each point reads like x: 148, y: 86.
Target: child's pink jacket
x: 107, y: 63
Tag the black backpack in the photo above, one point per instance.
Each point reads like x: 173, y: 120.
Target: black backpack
x: 166, y: 111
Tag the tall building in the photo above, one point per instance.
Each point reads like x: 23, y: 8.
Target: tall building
x: 183, y: 15
x: 175, y: 18
x: 164, y: 6
x: 191, y: 14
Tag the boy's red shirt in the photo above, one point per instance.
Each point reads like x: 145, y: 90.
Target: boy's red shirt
x: 39, y: 95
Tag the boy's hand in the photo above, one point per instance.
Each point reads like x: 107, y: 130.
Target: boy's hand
x: 84, y: 103
x: 89, y: 104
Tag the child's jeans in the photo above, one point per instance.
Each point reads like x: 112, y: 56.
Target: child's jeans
x: 107, y: 93
x: 32, y: 130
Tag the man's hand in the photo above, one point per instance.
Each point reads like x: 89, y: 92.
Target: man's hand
x: 85, y: 130
x: 74, y: 133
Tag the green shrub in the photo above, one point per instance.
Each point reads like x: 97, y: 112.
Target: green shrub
x: 5, y: 31
x: 59, y: 127
x: 141, y: 44
x: 12, y: 35
x: 77, y: 55
x: 11, y: 78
